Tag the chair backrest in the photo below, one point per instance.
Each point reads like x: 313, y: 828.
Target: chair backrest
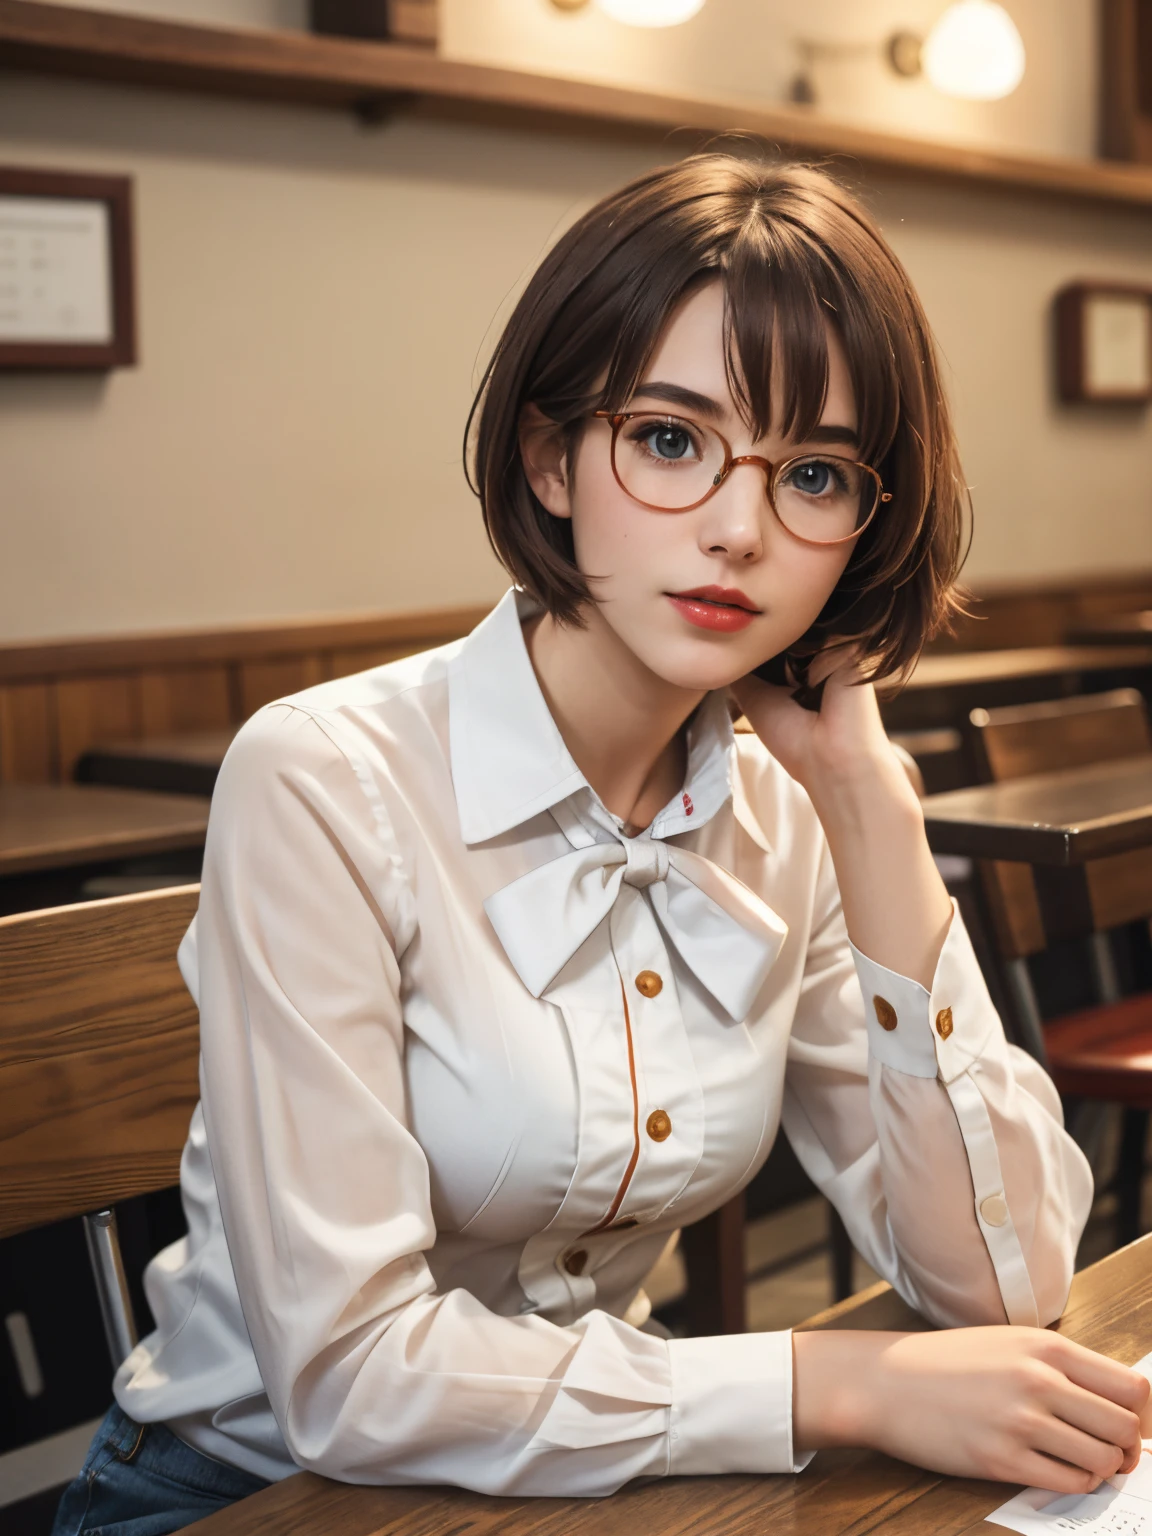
x: 99, y: 1054
x: 1060, y: 733
x: 1023, y: 739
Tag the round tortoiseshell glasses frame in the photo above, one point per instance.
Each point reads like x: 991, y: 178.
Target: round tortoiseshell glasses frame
x: 772, y: 473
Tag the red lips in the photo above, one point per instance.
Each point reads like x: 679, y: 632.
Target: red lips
x: 721, y: 608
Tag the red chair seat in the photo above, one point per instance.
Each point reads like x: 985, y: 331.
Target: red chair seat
x: 1104, y: 1052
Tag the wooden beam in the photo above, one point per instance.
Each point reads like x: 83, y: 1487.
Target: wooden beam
x: 324, y: 71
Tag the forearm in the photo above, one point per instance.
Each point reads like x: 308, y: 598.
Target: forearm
x: 895, y: 904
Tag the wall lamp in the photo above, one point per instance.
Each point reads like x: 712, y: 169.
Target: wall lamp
x: 640, y: 13
x: 974, y: 52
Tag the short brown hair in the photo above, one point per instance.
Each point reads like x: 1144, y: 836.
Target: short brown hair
x: 794, y: 250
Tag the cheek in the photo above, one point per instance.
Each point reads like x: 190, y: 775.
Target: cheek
x: 611, y: 535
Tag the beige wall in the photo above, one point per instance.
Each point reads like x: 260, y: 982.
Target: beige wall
x: 316, y: 299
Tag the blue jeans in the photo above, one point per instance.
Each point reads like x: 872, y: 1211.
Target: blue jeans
x: 140, y: 1480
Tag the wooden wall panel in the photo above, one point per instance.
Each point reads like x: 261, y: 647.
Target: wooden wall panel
x: 263, y: 681
x: 95, y: 709
x: 28, y: 747
x: 182, y: 699
x: 345, y: 663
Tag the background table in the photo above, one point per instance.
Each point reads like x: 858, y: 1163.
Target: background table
x: 53, y: 837
x: 180, y: 765
x: 49, y: 826
x: 1118, y: 629
x: 946, y: 685
x: 1064, y: 825
x: 1110, y: 1309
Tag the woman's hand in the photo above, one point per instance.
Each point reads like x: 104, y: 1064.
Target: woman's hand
x: 1021, y: 1405
x: 841, y: 746
x: 897, y: 910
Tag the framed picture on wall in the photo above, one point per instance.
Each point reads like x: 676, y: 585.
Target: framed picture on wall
x: 66, y: 272
x: 1104, y: 343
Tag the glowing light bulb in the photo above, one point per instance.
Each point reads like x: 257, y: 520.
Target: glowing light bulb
x: 974, y: 51
x: 651, y: 13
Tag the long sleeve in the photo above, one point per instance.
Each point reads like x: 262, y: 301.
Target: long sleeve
x: 941, y: 1145
x: 373, y: 1374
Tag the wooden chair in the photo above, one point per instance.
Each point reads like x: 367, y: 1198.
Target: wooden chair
x: 1102, y: 1053
x: 99, y: 1071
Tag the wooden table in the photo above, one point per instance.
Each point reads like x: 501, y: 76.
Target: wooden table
x: 841, y: 1492
x: 945, y: 686
x: 1116, y: 629
x: 55, y: 837
x: 51, y: 826
x: 1060, y: 823
x: 179, y: 765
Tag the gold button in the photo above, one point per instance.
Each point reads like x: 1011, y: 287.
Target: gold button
x: 574, y: 1262
x: 659, y: 1125
x: 885, y: 1013
x: 944, y: 1023
x: 994, y: 1210
x: 649, y: 983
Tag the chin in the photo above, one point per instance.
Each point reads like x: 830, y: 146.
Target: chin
x: 700, y: 668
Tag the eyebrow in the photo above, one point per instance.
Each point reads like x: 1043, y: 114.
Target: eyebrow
x: 678, y: 394
x: 704, y: 405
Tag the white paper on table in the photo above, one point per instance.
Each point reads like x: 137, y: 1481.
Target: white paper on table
x: 1120, y: 1507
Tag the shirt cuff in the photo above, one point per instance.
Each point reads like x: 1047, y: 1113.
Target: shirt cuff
x: 732, y: 1405
x: 929, y: 1034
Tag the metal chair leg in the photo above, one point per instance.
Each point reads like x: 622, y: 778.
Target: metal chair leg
x: 1130, y: 1176
x: 111, y: 1284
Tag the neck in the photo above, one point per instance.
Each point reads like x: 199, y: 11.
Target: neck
x: 621, y: 722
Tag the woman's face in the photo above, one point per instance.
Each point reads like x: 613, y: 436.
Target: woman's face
x: 768, y: 586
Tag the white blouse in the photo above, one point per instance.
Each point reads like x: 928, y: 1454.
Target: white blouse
x: 471, y: 1055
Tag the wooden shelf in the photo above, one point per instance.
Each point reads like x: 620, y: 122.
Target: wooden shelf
x: 377, y: 79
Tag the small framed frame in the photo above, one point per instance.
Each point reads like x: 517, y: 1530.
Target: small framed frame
x: 1104, y: 343
x: 67, y: 293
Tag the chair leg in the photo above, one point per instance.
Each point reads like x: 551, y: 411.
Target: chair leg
x: 111, y: 1284
x: 713, y: 1252
x: 840, y: 1245
x: 1130, y: 1175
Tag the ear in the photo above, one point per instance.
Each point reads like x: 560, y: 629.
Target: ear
x: 543, y: 453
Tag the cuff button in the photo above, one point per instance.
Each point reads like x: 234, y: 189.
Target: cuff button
x: 885, y: 1013
x: 994, y: 1210
x: 944, y: 1023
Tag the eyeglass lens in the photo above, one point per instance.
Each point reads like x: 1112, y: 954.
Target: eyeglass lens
x: 671, y: 463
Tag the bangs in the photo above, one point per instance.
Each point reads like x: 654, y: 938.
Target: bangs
x: 782, y: 296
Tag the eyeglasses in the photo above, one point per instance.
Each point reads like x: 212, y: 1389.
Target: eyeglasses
x: 674, y: 464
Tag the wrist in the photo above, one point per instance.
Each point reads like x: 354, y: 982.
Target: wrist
x: 835, y: 1388
x: 875, y: 794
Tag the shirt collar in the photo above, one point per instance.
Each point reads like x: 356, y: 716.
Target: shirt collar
x: 509, y: 761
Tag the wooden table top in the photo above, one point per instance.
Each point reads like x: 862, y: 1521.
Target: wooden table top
x: 1067, y: 817
x: 1116, y: 629
x: 1110, y: 1309
x: 53, y: 826
x: 965, y: 669
x: 180, y: 765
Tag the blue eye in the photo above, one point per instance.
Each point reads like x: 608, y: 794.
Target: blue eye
x: 668, y: 442
x: 813, y: 477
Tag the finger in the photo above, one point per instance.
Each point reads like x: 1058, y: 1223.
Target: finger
x: 1040, y: 1471
x: 1097, y: 1373
x: 1053, y: 1437
x: 1095, y: 1415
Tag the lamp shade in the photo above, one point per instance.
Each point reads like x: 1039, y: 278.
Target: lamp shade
x: 974, y: 51
x: 650, y: 13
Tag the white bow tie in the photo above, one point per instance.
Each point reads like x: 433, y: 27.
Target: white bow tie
x: 726, y: 935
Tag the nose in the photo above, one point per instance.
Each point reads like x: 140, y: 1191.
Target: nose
x: 734, y: 518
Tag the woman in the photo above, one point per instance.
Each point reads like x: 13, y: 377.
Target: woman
x: 511, y: 961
